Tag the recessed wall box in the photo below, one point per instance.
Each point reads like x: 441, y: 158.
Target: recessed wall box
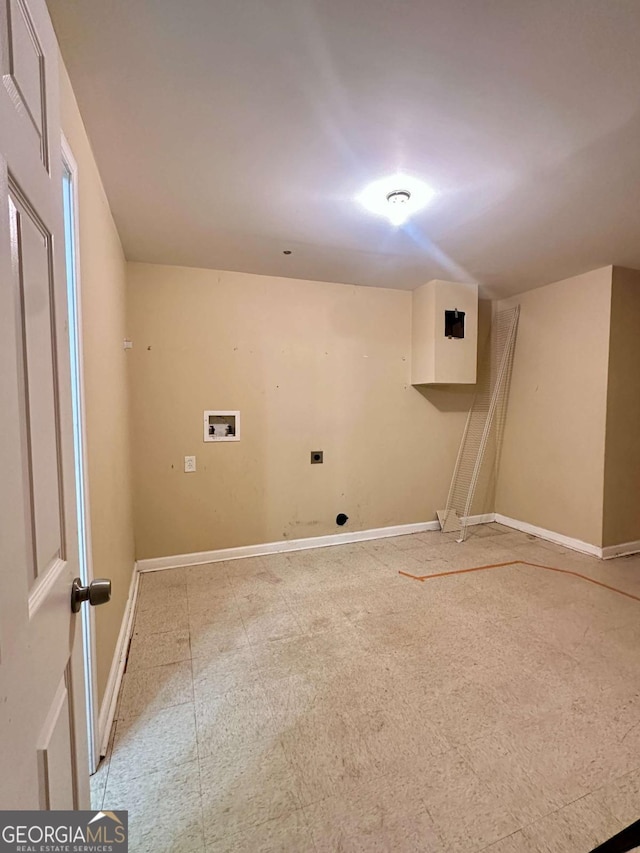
x: 444, y: 333
x: 221, y: 426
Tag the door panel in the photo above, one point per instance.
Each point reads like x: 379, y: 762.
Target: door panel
x: 23, y: 74
x: 56, y: 780
x: 34, y: 294
x: 43, y: 751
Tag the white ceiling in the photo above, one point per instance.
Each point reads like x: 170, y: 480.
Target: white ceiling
x: 227, y: 131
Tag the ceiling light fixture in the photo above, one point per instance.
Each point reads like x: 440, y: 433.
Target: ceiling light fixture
x: 396, y: 197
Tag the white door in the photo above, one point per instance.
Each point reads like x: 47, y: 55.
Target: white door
x: 43, y: 748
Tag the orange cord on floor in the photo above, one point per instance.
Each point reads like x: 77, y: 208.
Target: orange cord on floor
x: 520, y: 563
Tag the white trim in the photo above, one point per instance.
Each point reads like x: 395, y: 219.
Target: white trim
x: 110, y: 698
x: 222, y: 413
x: 610, y: 551
x: 485, y: 518
x: 155, y: 563
x: 88, y: 615
x: 550, y: 535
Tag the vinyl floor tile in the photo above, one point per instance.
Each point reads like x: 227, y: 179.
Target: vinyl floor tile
x: 165, y: 809
x: 239, y: 792
x: 382, y: 815
x: 328, y: 755
x: 320, y: 701
x: 526, y: 794
x: 162, y: 597
x: 467, y: 814
x: 169, y: 615
x: 239, y: 719
x: 275, y: 625
x: 214, y: 675
x: 581, y: 825
x: 158, y: 649
x: 289, y: 834
x: 152, y: 688
x: 154, y: 741
x: 163, y: 579
x: 211, y: 636
x: 621, y: 797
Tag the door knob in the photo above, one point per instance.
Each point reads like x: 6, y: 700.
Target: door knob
x: 98, y: 592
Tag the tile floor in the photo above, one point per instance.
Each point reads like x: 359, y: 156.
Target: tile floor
x: 319, y: 701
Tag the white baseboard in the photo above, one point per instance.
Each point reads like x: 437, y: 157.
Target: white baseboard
x: 606, y: 553
x: 550, y: 535
x: 485, y: 518
x: 110, y: 698
x: 155, y: 563
x: 611, y: 551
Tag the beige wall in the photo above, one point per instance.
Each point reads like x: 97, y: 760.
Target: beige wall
x: 552, y: 465
x: 102, y: 287
x: 311, y: 366
x: 622, y: 461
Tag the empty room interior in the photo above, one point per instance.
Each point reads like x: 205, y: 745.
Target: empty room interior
x: 343, y: 305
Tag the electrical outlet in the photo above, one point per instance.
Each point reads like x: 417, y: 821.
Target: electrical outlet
x: 189, y: 464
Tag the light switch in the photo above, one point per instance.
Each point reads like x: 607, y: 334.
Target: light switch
x: 189, y: 464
